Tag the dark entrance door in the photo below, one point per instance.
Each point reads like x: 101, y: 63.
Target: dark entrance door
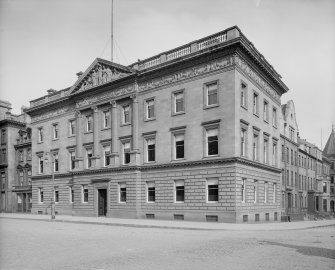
x: 24, y: 201
x: 102, y: 202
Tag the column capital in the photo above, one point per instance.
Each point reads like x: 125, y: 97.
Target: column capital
x: 134, y: 97
x: 78, y: 114
x: 95, y: 109
x: 113, y: 103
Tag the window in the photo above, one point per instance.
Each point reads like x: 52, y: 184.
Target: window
x: 72, y: 160
x: 150, y: 108
x: 274, y: 154
x: 126, y: 152
x: 84, y: 193
x: 126, y: 114
x: 151, y: 192
x: 212, y: 190
x: 255, y: 187
x: 211, y: 94
x: 55, y: 131
x: 243, y: 95
x: 179, y: 146
x: 266, y: 192
x: 89, y: 123
x: 21, y: 178
x: 151, y: 149
x: 106, y: 119
x: 56, y: 163
x: 3, y: 181
x: 56, y: 195
x: 72, y: 127
x: 243, y: 142
x: 179, y: 190
x: 266, y: 150
x: 71, y: 193
x: 178, y: 102
x: 3, y: 136
x: 292, y: 158
x: 40, y: 195
x: 20, y: 156
x: 255, y: 147
x: 3, y: 156
x: 40, y: 164
x: 324, y: 187
x: 29, y: 154
x: 89, y: 155
x: 212, y: 142
x: 274, y: 117
x: 106, y: 153
x: 266, y: 111
x: 255, y: 104
x: 122, y: 193
x: 274, y: 197
x: 243, y: 190
x: 40, y: 134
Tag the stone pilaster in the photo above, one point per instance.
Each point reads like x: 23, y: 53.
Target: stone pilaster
x: 134, y: 154
x: 114, y: 128
x: 96, y: 145
x: 79, y: 141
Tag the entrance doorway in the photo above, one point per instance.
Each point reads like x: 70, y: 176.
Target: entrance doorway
x: 102, y: 202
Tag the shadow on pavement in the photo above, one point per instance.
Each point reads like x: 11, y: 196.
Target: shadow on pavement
x: 307, y: 250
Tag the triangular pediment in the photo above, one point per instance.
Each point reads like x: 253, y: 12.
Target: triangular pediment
x: 100, y: 72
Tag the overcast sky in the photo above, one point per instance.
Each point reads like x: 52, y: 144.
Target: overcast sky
x: 44, y: 43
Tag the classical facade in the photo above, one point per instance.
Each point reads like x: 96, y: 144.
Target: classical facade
x: 190, y: 134
x: 329, y: 154
x: 15, y: 160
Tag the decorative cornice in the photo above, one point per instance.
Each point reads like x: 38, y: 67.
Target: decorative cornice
x: 188, y: 73
x: 54, y: 113
x: 214, y: 161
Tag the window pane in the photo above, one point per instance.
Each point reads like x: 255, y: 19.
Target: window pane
x: 212, y: 145
x: 213, y: 193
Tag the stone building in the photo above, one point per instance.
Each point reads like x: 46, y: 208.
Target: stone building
x: 15, y: 163
x: 291, y: 194
x: 329, y: 154
x: 192, y: 134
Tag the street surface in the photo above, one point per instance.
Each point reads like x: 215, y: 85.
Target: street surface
x: 33, y: 244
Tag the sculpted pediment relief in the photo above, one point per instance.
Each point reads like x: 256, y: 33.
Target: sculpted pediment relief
x: 99, y: 73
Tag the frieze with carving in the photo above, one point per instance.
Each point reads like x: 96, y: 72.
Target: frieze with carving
x: 252, y: 74
x: 112, y: 94
x: 53, y: 113
x: 189, y: 73
x: 99, y: 75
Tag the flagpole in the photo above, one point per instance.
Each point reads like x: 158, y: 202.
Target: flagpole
x: 112, y: 33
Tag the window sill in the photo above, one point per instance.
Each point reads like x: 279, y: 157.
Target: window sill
x: 149, y: 119
x: 123, y: 202
x: 105, y: 128
x: 88, y: 132
x: 178, y: 160
x: 179, y: 202
x: 242, y: 106
x: 55, y: 139
x: 84, y: 202
x: 150, y: 202
x: 212, y: 156
x: 266, y: 121
x: 255, y: 114
x: 210, y: 106
x: 150, y: 162
x: 212, y: 202
x: 177, y: 113
x: 70, y: 136
x: 40, y: 142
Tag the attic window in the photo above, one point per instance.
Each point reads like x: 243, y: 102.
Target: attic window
x: 291, y: 116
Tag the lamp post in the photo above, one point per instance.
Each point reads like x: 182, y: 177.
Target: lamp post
x: 46, y: 158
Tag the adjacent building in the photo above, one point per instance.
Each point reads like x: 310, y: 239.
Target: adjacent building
x: 15, y: 160
x: 189, y: 134
x: 329, y: 154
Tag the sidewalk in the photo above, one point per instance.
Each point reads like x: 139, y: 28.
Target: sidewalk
x: 171, y: 224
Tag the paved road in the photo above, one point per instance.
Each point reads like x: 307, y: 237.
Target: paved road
x: 33, y: 244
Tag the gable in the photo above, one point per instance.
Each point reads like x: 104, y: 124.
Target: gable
x: 100, y: 72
